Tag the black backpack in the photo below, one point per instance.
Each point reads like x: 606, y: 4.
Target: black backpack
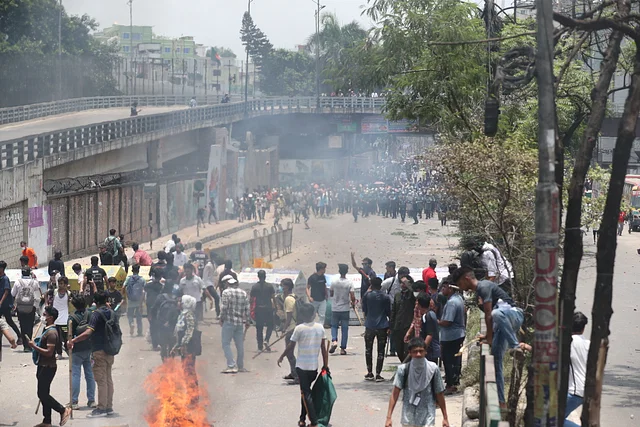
x: 167, y: 313
x: 473, y: 259
x: 112, y: 333
x: 83, y: 322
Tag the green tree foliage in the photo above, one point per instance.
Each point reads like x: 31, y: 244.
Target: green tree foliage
x: 254, y: 40
x: 444, y: 85
x: 29, y: 54
x: 288, y: 73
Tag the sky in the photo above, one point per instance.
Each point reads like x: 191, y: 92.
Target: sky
x: 287, y: 23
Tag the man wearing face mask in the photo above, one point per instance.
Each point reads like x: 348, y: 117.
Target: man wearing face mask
x: 402, y: 315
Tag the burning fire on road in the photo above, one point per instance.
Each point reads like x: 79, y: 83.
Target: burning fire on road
x: 176, y: 399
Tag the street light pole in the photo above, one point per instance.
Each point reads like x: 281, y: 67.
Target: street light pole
x: 60, y: 53
x: 547, y: 223
x: 133, y: 73
x: 318, y: 56
x: 246, y: 77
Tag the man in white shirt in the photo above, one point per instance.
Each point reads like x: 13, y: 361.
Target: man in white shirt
x: 209, y: 277
x: 171, y: 243
x: 309, y: 336
x: 578, y: 367
x: 61, y: 303
x: 24, y: 296
x: 193, y: 285
x: 179, y: 257
x: 343, y: 299
x: 499, y: 269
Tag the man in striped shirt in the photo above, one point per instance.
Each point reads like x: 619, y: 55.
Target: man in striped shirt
x: 234, y: 314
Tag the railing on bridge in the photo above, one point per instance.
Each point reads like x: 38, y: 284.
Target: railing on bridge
x: 25, y: 149
x: 489, y: 405
x: 34, y: 111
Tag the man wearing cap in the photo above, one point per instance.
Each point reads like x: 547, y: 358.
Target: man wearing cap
x: 430, y: 272
x: 366, y: 272
x: 233, y: 314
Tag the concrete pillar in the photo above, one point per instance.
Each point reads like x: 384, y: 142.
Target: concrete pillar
x: 154, y: 154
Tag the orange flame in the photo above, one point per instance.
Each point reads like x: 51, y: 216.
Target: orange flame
x: 176, y: 398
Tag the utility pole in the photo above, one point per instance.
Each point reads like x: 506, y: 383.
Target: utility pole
x: 547, y: 220
x: 60, y: 52
x: 246, y: 76
x: 133, y: 73
x: 318, y: 54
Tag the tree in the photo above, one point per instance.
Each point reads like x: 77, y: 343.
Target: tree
x: 29, y: 54
x: 288, y: 73
x: 254, y: 40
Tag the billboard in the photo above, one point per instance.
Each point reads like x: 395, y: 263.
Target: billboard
x: 374, y: 125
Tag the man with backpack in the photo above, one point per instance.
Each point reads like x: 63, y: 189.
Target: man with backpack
x: 44, y: 348
x: 81, y: 355
x: 164, y: 316
x: 421, y: 385
x: 113, y: 246
x: 106, y: 340
x: 24, y: 294
x: 134, y: 293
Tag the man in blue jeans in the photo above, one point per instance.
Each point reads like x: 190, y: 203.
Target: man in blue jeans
x: 578, y: 367
x: 502, y: 318
x: 344, y: 297
x: 81, y: 355
x: 234, y: 313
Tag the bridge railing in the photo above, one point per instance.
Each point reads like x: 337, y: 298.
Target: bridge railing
x: 35, y: 111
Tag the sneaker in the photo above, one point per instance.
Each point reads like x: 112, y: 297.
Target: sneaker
x: 19, y: 342
x: 289, y: 377
x: 91, y: 404
x: 379, y: 378
x: 333, y: 348
x: 110, y: 411
x: 243, y: 370
x: 74, y: 406
x: 64, y: 417
x: 97, y: 413
x: 343, y: 352
x: 369, y: 377
x: 232, y: 370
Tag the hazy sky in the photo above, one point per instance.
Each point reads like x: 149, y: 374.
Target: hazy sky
x: 287, y: 23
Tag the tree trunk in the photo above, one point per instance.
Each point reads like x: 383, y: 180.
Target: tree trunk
x: 530, y: 393
x: 603, y: 295
x: 573, y: 235
x: 514, y: 392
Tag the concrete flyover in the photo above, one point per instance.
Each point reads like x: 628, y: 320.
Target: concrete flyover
x: 77, y: 137
x: 76, y: 140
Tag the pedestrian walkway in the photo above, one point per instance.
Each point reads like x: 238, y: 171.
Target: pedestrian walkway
x: 189, y: 236
x: 65, y: 121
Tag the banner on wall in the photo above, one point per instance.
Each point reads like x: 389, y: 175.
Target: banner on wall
x: 403, y: 126
x: 373, y: 125
x: 335, y: 141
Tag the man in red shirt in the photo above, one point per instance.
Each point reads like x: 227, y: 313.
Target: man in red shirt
x: 430, y: 272
x: 141, y: 257
x: 29, y: 253
x: 621, y: 218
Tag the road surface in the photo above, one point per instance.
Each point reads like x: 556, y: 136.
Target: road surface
x: 260, y: 397
x: 71, y: 120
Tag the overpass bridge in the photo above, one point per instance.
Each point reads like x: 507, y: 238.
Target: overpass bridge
x: 84, y: 137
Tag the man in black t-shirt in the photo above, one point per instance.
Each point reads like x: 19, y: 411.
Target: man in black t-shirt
x: 317, y: 291
x: 199, y: 258
x: 502, y: 318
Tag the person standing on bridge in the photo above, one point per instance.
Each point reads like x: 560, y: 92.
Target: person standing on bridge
x: 134, y: 109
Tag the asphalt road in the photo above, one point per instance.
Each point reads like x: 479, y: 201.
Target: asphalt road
x: 259, y: 397
x: 64, y: 121
x: 621, y: 392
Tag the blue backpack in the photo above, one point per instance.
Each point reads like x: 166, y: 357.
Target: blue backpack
x: 135, y: 288
x: 35, y: 355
